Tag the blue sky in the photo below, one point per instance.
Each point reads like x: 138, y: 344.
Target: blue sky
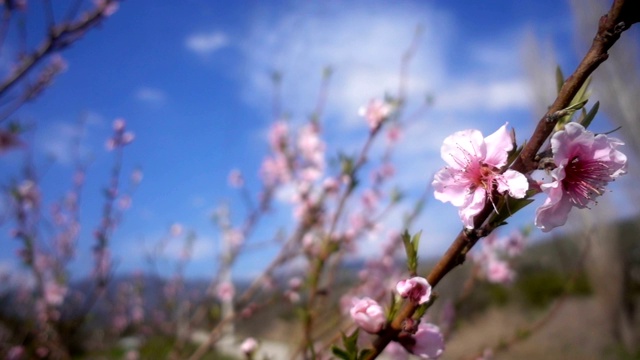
x: 192, y: 80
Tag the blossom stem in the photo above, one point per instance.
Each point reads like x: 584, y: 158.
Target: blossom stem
x: 621, y: 16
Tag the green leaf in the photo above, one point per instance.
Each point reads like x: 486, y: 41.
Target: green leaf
x: 351, y: 342
x: 508, y: 208
x: 364, y: 353
x: 339, y: 353
x: 559, y: 78
x: 411, y: 245
x: 588, y: 118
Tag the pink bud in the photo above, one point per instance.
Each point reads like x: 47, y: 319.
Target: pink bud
x: 368, y: 315
x: 119, y: 124
x: 417, y: 289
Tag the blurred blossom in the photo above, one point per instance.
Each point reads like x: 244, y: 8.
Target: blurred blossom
x: 176, y: 230
x: 416, y: 289
x: 491, y: 257
x: 499, y: 272
x: 393, y: 134
x: 278, y: 135
x: 375, y: 112
x: 368, y: 315
x: 233, y: 238
x: 16, y: 353
x: 226, y: 291
x: 292, y: 296
x: 330, y: 185
x: 136, y: 176
x: 132, y: 355
x: 295, y: 283
x: 109, y: 6
x: 429, y: 342
x: 275, y: 170
x: 395, y: 351
x: 370, y: 199
x: 119, y: 124
x: 249, y: 346
x: 124, y: 202
x: 235, y: 179
x: 54, y: 293
x: 28, y: 193
x: 585, y: 164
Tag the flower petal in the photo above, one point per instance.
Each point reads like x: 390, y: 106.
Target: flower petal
x: 477, y: 203
x: 498, y: 145
x: 513, y: 182
x: 462, y: 148
x: 450, y: 186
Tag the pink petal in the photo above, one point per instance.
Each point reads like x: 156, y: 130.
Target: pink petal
x: 477, y: 203
x: 498, y: 145
x: 449, y: 185
x: 555, y: 210
x: 514, y: 182
x: 463, y: 146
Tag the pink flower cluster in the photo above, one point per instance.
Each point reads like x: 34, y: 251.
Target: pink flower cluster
x: 376, y: 112
x: 492, y: 258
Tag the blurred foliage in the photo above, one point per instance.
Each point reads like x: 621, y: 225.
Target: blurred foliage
x: 539, y: 287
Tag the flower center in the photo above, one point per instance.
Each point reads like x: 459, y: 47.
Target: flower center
x: 585, y: 180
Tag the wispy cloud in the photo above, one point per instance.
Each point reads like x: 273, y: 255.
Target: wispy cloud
x: 150, y: 95
x: 206, y: 43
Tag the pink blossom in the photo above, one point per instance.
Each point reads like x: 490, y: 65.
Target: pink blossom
x: 54, y: 293
x: 396, y: 352
x: 393, y: 134
x: 275, y: 170
x: 368, y: 315
x: 499, y: 271
x: 136, y: 176
x: 235, y: 179
x: 474, y: 171
x: 226, y: 291
x: 417, y: 289
x: 375, y: 112
x: 119, y: 124
x: 585, y: 164
x: 429, y: 342
x: 176, y: 229
x: 16, y: 353
x: 278, y: 135
x: 249, y: 346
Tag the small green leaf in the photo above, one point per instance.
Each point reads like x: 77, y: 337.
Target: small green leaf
x: 364, y: 353
x: 559, y: 78
x: 508, y: 208
x: 588, y: 118
x: 339, y: 353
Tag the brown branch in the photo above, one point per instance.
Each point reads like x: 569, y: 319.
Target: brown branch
x: 60, y: 36
x: 621, y: 16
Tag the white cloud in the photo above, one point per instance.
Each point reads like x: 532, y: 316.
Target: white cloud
x: 206, y: 43
x: 58, y: 138
x: 150, y: 95
x: 363, y: 47
x: 494, y: 95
